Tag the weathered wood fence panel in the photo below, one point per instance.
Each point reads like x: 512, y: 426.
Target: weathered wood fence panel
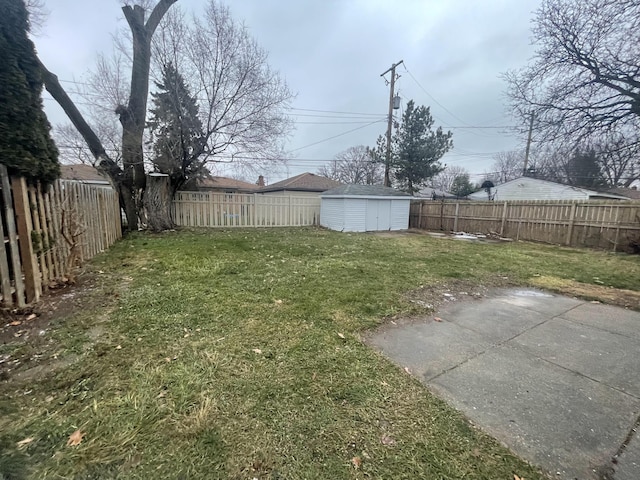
x: 209, y: 209
x: 48, y: 231
x: 597, y: 224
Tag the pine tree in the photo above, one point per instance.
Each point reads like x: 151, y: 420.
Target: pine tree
x: 583, y: 170
x: 26, y: 147
x: 417, y: 148
x: 176, y: 130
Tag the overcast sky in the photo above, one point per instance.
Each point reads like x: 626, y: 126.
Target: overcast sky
x: 332, y: 52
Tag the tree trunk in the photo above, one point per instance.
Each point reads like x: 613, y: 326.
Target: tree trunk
x: 103, y: 162
x: 157, y: 202
x: 129, y: 181
x: 133, y: 115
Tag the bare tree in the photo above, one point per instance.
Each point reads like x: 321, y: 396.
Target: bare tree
x: 584, y: 78
x: 507, y: 166
x: 355, y: 165
x: 130, y: 178
x: 241, y: 100
x: 444, y: 180
x: 619, y: 159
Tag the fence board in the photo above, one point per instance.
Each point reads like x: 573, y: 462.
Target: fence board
x: 599, y: 224
x: 33, y: 252
x: 212, y: 209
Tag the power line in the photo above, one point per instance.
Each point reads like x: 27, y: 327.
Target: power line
x: 433, y: 98
x: 336, y: 136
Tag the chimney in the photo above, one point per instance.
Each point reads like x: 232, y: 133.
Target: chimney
x: 260, y: 181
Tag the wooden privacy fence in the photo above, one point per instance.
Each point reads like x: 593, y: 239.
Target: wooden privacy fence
x: 209, y: 209
x: 597, y: 224
x: 48, y: 231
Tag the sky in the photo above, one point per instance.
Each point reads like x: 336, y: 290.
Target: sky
x: 332, y: 54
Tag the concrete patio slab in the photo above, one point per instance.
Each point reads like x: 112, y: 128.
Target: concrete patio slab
x: 609, y: 358
x: 554, y: 378
x: 429, y: 348
x: 493, y: 319
x: 628, y: 465
x: 606, y: 317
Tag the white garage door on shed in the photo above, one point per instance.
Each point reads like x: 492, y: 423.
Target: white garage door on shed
x: 364, y: 208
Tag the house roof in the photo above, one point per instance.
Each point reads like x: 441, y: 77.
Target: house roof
x: 528, y: 188
x: 428, y: 192
x: 224, y: 183
x: 305, y: 182
x: 364, y: 190
x: 82, y: 173
x: 632, y: 193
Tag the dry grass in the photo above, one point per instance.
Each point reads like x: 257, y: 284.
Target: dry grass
x: 236, y: 354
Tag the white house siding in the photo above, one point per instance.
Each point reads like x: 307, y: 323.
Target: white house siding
x: 331, y: 213
x: 400, y: 214
x: 533, y: 189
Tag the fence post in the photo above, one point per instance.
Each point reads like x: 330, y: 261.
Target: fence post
x: 25, y: 227
x: 504, y: 219
x: 572, y: 217
x: 455, y: 220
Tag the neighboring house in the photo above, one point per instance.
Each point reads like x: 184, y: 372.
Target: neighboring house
x: 434, y: 194
x: 631, y: 193
x: 305, y: 184
x: 364, y: 208
x: 225, y: 185
x: 526, y: 188
x: 83, y: 173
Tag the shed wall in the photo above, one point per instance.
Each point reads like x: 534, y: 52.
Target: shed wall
x: 400, y: 214
x: 331, y: 213
x: 355, y: 214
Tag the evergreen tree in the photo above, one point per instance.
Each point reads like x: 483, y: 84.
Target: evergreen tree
x: 583, y: 170
x: 176, y: 130
x: 461, y: 186
x: 417, y: 148
x: 26, y: 147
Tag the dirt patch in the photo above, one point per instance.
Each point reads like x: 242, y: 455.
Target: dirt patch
x: 612, y: 296
x: 27, y: 347
x: 21, y: 324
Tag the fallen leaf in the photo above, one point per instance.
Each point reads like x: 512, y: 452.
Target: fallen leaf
x: 341, y: 335
x: 257, y: 350
x: 119, y: 347
x: 387, y: 440
x: 278, y: 302
x: 15, y: 323
x: 162, y: 394
x: 406, y: 369
x: 31, y: 317
x: 25, y: 442
x: 75, y: 438
x: 437, y: 319
x: 357, y: 461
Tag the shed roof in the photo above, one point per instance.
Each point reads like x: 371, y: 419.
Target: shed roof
x: 305, y: 182
x: 365, y: 191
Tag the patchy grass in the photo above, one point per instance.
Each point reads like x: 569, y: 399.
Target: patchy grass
x: 236, y: 354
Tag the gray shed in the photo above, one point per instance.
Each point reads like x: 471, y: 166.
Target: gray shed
x: 364, y: 208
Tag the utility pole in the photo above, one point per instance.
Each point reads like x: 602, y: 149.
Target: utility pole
x: 387, y: 181
x: 526, y: 153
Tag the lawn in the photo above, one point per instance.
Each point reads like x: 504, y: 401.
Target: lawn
x: 238, y: 354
